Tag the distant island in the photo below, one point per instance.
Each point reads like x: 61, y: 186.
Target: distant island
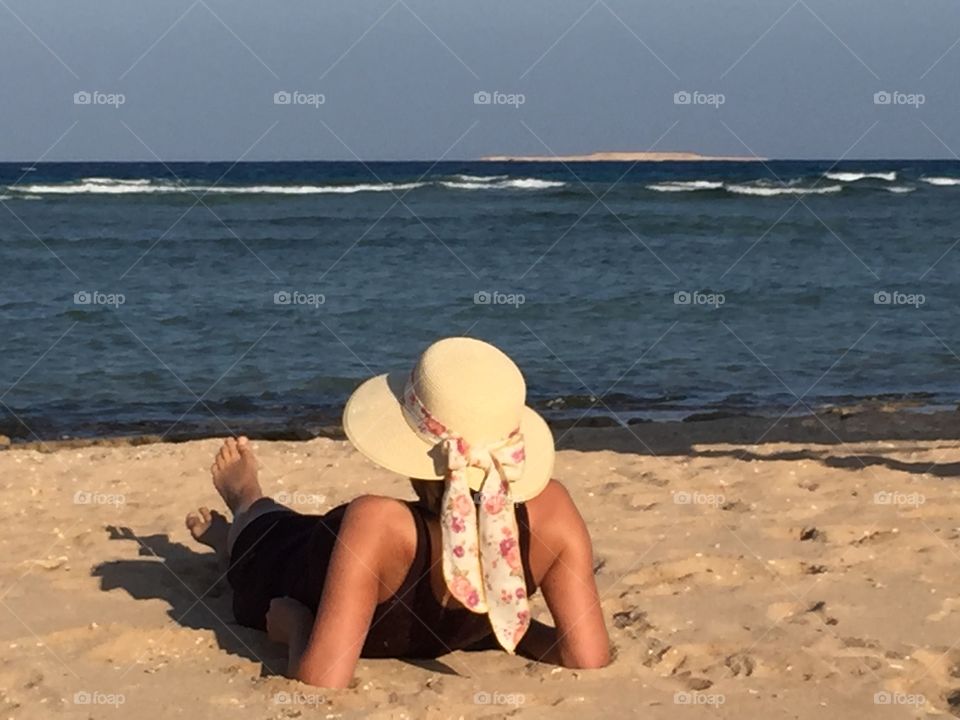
x: 621, y: 157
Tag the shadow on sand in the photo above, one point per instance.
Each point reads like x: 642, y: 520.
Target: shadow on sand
x: 828, y: 437
x: 195, y: 588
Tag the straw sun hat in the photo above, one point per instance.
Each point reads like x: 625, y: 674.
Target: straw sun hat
x: 463, y: 386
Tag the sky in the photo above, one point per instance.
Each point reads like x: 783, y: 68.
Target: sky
x: 399, y: 79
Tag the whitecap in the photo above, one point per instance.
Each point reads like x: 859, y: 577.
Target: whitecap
x: 107, y: 186
x: 941, y: 181
x: 513, y: 184
x: 686, y: 186
x: 114, y: 181
x: 532, y: 184
x: 308, y: 189
x: 900, y: 189
x: 774, y: 191
x: 855, y: 176
x: 479, y: 178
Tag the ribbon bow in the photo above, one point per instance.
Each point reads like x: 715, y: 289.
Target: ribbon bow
x: 482, y: 565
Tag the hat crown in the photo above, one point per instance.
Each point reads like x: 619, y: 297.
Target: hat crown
x: 472, y: 388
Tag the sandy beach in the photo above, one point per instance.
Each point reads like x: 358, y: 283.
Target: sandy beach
x: 812, y: 575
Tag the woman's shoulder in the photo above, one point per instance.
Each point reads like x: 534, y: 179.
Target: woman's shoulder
x: 553, y: 497
x: 553, y: 510
x: 380, y: 515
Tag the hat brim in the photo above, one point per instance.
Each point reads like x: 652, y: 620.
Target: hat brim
x: 374, y: 422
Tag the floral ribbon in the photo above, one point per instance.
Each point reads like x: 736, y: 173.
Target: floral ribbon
x: 482, y: 565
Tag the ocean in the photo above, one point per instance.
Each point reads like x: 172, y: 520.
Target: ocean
x: 189, y: 299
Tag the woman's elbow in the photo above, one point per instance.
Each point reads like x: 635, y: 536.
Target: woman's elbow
x: 590, y: 660
x: 320, y: 679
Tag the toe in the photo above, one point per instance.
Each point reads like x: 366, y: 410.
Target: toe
x: 205, y: 514
x: 244, y: 447
x: 197, y: 525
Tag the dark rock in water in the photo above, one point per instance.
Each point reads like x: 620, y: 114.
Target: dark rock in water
x: 591, y: 421
x: 716, y: 415
x: 638, y: 421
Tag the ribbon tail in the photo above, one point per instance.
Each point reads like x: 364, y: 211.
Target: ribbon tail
x: 502, y: 563
x: 461, y: 550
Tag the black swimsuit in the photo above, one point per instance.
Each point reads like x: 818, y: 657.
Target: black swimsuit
x: 286, y: 554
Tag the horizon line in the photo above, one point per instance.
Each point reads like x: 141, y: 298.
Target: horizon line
x: 518, y: 160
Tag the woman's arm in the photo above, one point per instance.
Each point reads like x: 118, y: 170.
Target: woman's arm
x: 540, y: 643
x: 580, y: 638
x: 289, y: 622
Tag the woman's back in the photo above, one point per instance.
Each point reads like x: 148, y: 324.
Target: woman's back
x: 389, y: 578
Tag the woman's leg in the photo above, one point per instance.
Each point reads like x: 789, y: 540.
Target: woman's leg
x: 234, y: 472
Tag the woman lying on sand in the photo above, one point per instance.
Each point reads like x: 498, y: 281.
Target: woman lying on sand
x: 381, y: 577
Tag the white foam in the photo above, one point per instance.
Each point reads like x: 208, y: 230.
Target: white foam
x: 114, y: 181
x: 116, y: 186
x: 773, y: 191
x: 479, y: 178
x: 900, y: 189
x: 310, y: 189
x: 855, y: 176
x: 686, y: 186
x: 108, y: 186
x: 941, y: 181
x: 6, y: 197
x: 532, y: 184
x: 83, y: 188
x: 513, y: 184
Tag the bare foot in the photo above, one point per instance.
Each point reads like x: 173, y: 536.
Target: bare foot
x: 210, y: 528
x: 234, y: 473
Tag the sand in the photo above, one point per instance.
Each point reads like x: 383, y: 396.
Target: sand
x: 773, y: 580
